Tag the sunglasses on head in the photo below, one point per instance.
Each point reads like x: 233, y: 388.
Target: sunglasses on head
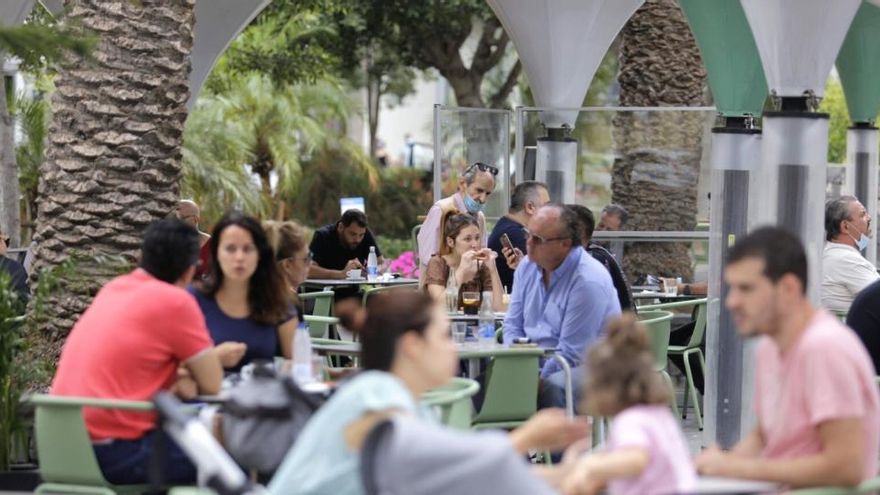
x: 483, y: 167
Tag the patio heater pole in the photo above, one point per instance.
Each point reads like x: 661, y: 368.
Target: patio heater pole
x: 560, y: 44
x: 739, y: 90
x: 798, y: 41
x: 858, y: 64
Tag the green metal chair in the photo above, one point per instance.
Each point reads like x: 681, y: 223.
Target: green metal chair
x: 841, y: 315
x: 374, y: 290
x: 454, y: 402
x: 323, y: 308
x: 67, y: 460
x: 868, y: 486
x: 511, y: 387
x: 658, y: 325
x: 689, y: 349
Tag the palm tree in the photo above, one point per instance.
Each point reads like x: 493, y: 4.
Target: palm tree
x: 270, y: 130
x: 114, y: 149
x: 660, y: 65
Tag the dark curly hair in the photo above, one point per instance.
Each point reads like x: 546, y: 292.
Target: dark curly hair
x: 266, y: 291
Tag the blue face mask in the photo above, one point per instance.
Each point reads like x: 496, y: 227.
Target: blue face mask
x: 473, y: 207
x: 861, y: 242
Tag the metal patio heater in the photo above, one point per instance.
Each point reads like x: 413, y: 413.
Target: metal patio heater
x: 560, y: 44
x: 798, y: 41
x: 739, y: 90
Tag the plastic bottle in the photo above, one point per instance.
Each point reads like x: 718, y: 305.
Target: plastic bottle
x: 302, y: 356
x: 372, y: 265
x: 486, y: 321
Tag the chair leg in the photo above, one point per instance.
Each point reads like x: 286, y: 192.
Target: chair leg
x: 684, y: 407
x: 672, y: 402
x: 692, y: 389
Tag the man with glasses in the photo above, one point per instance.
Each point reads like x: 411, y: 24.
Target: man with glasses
x: 562, y: 298
x: 475, y: 185
x: 527, y: 197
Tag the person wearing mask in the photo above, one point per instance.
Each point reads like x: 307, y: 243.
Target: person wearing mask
x: 845, y: 272
x: 475, y: 185
x: 245, y: 300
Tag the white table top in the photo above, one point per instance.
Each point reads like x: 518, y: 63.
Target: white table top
x: 711, y: 484
x: 332, y: 282
x: 459, y: 316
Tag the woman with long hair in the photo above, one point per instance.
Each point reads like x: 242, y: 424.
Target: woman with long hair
x: 245, y: 299
x: 463, y: 263
x: 406, y: 350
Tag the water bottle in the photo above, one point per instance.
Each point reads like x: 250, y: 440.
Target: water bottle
x: 486, y: 321
x: 372, y: 265
x: 302, y: 356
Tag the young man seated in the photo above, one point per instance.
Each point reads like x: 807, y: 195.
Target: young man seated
x: 816, y: 400
x: 142, y: 333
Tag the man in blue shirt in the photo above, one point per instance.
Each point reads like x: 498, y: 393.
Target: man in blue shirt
x: 527, y: 197
x: 562, y: 298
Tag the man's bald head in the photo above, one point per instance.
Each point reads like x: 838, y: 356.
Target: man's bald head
x: 188, y: 211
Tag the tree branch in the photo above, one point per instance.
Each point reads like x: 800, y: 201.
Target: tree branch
x: 500, y: 96
x: 484, y: 58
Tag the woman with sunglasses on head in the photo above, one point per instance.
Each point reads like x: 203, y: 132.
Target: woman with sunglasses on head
x: 475, y: 185
x: 245, y: 299
x: 463, y: 263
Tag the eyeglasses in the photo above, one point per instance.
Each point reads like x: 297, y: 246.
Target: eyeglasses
x: 483, y: 167
x: 538, y: 240
x: 306, y: 259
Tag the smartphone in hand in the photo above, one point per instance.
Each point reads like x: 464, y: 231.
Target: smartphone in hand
x: 505, y: 241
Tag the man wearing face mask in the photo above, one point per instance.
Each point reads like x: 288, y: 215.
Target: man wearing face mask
x: 845, y: 272
x: 475, y: 185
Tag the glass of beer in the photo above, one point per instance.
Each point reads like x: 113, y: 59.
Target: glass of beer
x: 471, y: 302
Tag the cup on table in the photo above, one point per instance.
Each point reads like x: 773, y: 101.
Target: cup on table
x: 356, y: 273
x: 669, y: 286
x: 471, y: 302
x: 319, y: 370
x: 451, y: 301
x: 459, y: 331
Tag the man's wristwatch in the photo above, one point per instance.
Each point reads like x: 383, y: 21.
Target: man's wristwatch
x: 687, y: 289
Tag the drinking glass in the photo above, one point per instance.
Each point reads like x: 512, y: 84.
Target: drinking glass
x: 471, y: 302
x: 452, y: 300
x: 459, y: 332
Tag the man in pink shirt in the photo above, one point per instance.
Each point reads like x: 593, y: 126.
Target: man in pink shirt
x: 816, y: 401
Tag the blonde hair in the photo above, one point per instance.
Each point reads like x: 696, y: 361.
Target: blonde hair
x: 620, y: 370
x: 286, y: 238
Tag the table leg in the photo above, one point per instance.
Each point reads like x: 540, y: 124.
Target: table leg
x: 473, y: 368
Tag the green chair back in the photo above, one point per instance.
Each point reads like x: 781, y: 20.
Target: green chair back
x: 323, y: 308
x: 658, y: 325
x: 375, y: 290
x: 67, y: 459
x: 700, y: 316
x: 454, y: 402
x: 511, y: 388
x: 319, y: 325
x: 868, y: 486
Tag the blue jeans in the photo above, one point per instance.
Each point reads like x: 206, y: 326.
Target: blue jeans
x: 127, y: 462
x: 552, y: 393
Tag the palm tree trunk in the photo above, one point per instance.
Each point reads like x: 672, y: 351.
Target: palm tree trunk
x: 10, y: 214
x: 656, y: 175
x: 113, y: 161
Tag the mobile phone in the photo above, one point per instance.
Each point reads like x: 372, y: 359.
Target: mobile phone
x: 505, y: 241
